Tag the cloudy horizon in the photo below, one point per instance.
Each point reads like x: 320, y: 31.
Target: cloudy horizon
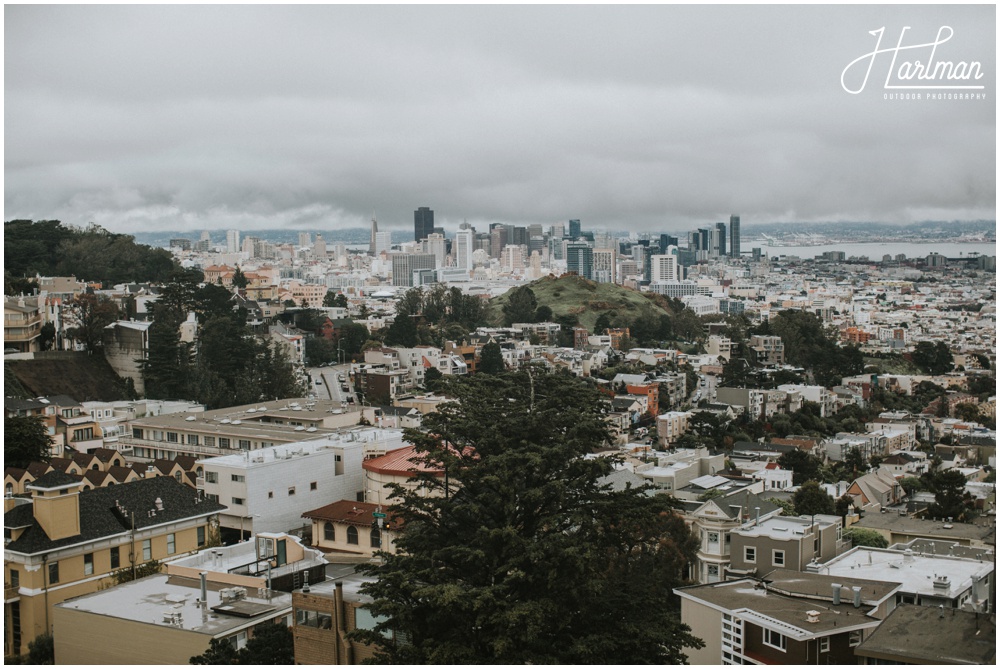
x: 143, y: 118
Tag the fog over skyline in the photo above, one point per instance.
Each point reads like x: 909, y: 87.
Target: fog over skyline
x: 143, y: 118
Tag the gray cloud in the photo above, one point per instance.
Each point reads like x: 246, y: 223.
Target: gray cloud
x: 646, y: 117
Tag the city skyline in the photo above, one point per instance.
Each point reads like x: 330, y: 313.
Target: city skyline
x: 650, y: 118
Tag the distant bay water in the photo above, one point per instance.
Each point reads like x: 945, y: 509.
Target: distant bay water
x: 875, y: 250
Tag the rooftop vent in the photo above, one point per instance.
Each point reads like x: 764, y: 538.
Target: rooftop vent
x: 190, y: 418
x: 812, y: 617
x: 237, y: 422
x: 941, y: 582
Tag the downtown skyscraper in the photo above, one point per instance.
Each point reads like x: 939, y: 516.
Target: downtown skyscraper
x: 423, y: 223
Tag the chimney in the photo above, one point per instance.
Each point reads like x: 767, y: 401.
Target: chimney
x: 857, y: 596
x: 204, y: 588
x: 158, y: 503
x: 836, y: 593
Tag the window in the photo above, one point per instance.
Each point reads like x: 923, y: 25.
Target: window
x: 307, y: 618
x: 136, y: 433
x: 171, y: 544
x: 237, y: 478
x: 774, y: 640
x: 223, y: 442
x: 749, y: 554
x: 147, y: 549
x: 9, y: 489
x: 364, y: 620
x: 15, y: 578
x: 53, y: 573
x: 778, y: 558
x: 210, y: 442
x: 245, y: 444
x: 157, y: 435
x: 211, y: 477
x: 328, y: 532
x: 178, y: 475
x: 238, y: 501
x: 201, y: 535
x: 192, y: 440
x: 824, y: 645
x: 855, y: 638
x: 352, y: 535
x: 172, y: 437
x: 713, y: 537
x: 291, y: 491
x: 212, y: 497
x: 376, y: 538
x: 88, y: 564
x: 116, y: 560
x: 312, y: 486
x: 270, y: 494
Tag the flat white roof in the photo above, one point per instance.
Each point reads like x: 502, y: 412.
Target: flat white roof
x: 916, y: 572
x: 147, y: 600
x: 356, y: 438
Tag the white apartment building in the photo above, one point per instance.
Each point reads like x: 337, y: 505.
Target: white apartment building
x: 268, y: 490
x: 664, y: 268
x: 818, y: 394
x: 720, y: 346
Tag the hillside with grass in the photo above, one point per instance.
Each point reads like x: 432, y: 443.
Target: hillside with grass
x: 571, y: 295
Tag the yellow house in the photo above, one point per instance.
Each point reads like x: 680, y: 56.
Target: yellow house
x: 65, y: 542
x: 351, y: 528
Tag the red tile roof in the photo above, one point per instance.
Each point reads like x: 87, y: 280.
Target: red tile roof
x: 399, y: 462
x: 350, y: 513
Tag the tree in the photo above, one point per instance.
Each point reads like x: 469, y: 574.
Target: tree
x: 332, y: 299
x: 271, y: 643
x: 239, y: 278
x: 521, y: 306
x: 432, y: 377
x: 912, y: 484
x: 543, y: 314
x: 220, y: 651
x: 804, y: 466
x: 934, y: 358
x: 47, y: 336
x: 950, y: 498
x: 844, y: 505
x: 810, y: 500
x: 88, y: 315
x: 862, y: 536
x: 968, y: 412
x: 402, y: 332
x: 25, y: 440
x: 42, y: 650
x: 520, y: 554
x: 491, y: 359
x: 787, y: 508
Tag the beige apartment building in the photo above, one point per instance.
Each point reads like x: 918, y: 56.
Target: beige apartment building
x: 66, y: 542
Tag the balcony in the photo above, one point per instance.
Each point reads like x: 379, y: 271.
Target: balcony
x: 127, y: 442
x: 21, y: 334
x: 10, y: 593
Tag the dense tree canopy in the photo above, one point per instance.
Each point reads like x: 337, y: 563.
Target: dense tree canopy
x: 521, y: 306
x: 808, y: 345
x: 86, y: 316
x: 91, y: 254
x: 810, y: 500
x: 491, y: 359
x: 25, y: 440
x: 933, y: 358
x: 519, y: 554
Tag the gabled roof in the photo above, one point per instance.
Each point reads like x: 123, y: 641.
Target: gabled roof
x: 54, y: 479
x: 106, y: 512
x: 106, y: 454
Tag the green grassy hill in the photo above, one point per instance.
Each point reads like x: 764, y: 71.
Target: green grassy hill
x: 587, y: 300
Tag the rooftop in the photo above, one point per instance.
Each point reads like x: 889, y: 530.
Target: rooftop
x: 386, y: 439
x: 930, y: 528
x: 787, y: 526
x: 757, y: 603
x: 915, y: 633
x: 917, y: 573
x: 173, y: 601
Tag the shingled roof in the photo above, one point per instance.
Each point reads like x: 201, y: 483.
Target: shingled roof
x: 106, y: 512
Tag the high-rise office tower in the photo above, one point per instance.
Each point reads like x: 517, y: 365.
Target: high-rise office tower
x: 383, y: 242
x: 734, y: 236
x: 580, y: 259
x: 499, y: 238
x: 232, y: 241
x: 371, y: 242
x: 305, y: 239
x: 666, y: 241
x: 405, y: 264
x: 435, y: 245
x: 423, y: 223
x: 664, y: 268
x: 464, y: 246
x: 605, y: 265
x: 574, y: 228
x: 720, y: 229
x: 319, y: 247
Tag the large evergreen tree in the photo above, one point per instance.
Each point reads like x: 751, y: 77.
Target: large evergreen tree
x: 25, y: 440
x: 519, y: 554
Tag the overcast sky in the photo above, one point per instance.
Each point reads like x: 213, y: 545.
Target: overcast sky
x: 647, y: 117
